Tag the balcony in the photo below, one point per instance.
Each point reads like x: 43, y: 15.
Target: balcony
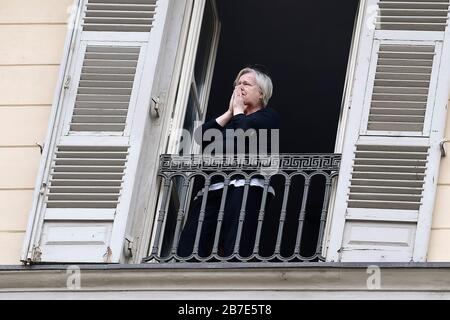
x: 287, y: 225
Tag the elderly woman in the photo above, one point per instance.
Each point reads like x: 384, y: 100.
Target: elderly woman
x: 247, y: 110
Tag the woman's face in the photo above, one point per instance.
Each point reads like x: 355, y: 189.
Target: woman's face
x: 250, y: 91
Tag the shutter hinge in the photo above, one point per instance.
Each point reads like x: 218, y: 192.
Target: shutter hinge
x: 129, y: 246
x: 67, y: 81
x: 43, y: 188
x: 41, y: 146
x: 107, y: 255
x: 442, y: 147
x: 156, y: 102
x: 36, y: 254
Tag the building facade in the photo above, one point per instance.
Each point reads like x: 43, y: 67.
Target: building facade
x: 93, y: 92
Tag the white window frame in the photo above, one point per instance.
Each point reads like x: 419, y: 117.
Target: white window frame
x: 186, y: 80
x: 187, y: 72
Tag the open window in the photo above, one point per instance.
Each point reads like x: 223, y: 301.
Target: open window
x: 389, y: 124
x: 308, y: 88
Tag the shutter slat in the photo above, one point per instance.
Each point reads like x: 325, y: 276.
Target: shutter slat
x: 106, y: 84
x: 383, y: 62
x: 412, y: 15
x: 82, y: 204
x: 397, y: 111
x: 86, y: 177
x: 393, y: 118
x: 101, y: 111
x: 99, y: 104
x: 85, y: 168
x: 388, y: 162
x: 106, y: 91
x: 401, y: 86
x: 118, y: 20
x: 97, y: 127
x: 400, y: 126
x: 90, y: 162
x: 395, y: 83
x: 122, y: 13
x: 400, y: 97
x: 119, y: 16
x: 91, y: 119
x: 399, y: 90
x: 391, y: 197
x: 83, y: 183
x: 103, y: 98
x: 109, y: 71
x: 413, y: 12
x: 382, y: 204
x: 385, y: 177
x: 399, y: 104
x: 107, y: 77
x: 389, y: 155
x: 402, y: 76
x: 118, y: 63
x: 386, y: 190
x: 404, y: 69
x: 98, y: 84
x: 84, y: 196
x: 117, y: 27
x: 386, y: 183
x: 85, y: 189
x: 389, y: 168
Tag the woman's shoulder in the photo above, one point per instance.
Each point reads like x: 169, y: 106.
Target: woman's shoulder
x: 267, y: 118
x: 271, y: 112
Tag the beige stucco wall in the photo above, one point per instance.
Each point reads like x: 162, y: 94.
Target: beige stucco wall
x: 439, y: 248
x: 32, y: 34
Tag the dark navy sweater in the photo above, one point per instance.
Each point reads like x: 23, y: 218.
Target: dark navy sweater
x: 265, y: 118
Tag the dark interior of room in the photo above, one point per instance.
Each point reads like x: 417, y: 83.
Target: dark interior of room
x: 304, y: 46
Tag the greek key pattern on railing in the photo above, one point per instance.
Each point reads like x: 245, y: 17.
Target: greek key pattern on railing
x: 282, y: 162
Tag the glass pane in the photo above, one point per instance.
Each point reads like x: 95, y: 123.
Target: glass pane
x: 190, y: 119
x: 204, y: 46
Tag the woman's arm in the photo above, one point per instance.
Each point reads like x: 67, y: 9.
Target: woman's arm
x: 225, y: 118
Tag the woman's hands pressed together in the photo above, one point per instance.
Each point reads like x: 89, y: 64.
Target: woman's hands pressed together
x: 237, y: 100
x: 235, y: 107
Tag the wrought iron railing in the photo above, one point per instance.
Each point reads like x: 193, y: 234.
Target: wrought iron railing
x: 291, y: 228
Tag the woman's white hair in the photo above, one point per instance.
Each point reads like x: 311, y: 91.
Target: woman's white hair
x: 262, y: 80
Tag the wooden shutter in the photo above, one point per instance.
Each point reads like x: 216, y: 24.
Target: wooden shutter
x: 391, y: 155
x: 82, y: 209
